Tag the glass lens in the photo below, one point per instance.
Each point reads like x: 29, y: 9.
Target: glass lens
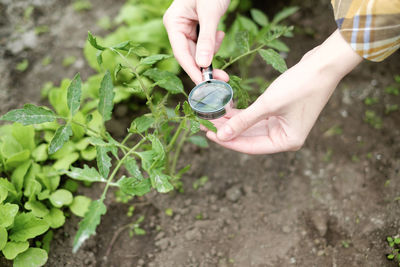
x: 210, y: 96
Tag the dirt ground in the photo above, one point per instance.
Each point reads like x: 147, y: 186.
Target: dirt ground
x: 332, y: 203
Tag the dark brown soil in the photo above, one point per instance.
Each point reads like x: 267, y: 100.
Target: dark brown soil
x: 330, y: 204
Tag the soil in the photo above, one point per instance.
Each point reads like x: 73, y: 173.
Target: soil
x: 332, y: 203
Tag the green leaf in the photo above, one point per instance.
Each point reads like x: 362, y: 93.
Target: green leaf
x: 160, y: 181
x: 99, y: 57
x: 12, y: 249
x: 397, y: 240
x: 25, y: 135
x: 38, y: 208
x: 259, y: 17
x: 106, y: 97
x: 139, y: 231
x: 153, y: 59
x: 157, y: 147
x: 166, y: 80
x: 47, y: 240
x: 33, y: 257
x: 87, y: 174
x: 142, y: 124
x: 135, y: 186
x: 390, y: 257
x: 31, y: 185
x: 80, y: 205
x: 27, y: 226
x: 40, y: 153
x: 103, y: 161
x: 8, y: 212
x: 30, y: 114
x: 241, y: 95
x: 88, y: 225
x: 284, y: 13
x: 61, y: 197
x: 55, y: 218
x: 194, y: 126
x: 6, y: 185
x: 74, y: 95
x: 198, y: 141
x: 61, y: 136
x: 18, y: 175
x: 208, y: 124
x: 274, y: 59
x: 278, y: 45
x: 187, y: 109
x: 138, y: 50
x: 132, y: 167
x: 3, y: 237
x: 242, y: 41
x: 92, y: 40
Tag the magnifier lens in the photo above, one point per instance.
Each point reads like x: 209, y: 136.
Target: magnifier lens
x: 209, y: 99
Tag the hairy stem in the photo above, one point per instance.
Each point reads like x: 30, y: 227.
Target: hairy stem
x: 175, y: 137
x: 178, y: 150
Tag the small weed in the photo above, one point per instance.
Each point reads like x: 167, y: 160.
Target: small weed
x: 22, y: 66
x: 68, y: 61
x: 46, y: 61
x: 394, y: 243
x: 200, y: 182
x: 169, y: 212
x: 345, y: 243
x: 328, y: 155
x: 392, y: 90
x: 373, y: 119
x: 130, y: 211
x: 369, y: 101
x: 391, y: 108
x: 28, y: 12
x: 334, y: 130
x: 82, y: 5
x: 355, y: 159
x: 41, y: 29
x: 199, y: 216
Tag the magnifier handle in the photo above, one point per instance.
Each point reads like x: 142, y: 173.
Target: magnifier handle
x: 207, y: 72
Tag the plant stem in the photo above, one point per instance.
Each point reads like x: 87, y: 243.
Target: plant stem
x: 175, y: 137
x: 178, y: 150
x: 90, y: 129
x: 119, y: 164
x: 126, y: 138
x: 241, y: 56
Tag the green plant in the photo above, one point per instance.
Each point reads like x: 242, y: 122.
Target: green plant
x: 373, y: 119
x: 394, y: 243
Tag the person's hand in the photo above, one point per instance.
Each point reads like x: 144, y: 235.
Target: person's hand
x: 281, y: 118
x: 181, y: 20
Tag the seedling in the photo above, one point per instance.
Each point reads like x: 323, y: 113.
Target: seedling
x: 394, y: 244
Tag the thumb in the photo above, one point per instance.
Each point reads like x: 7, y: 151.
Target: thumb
x: 242, y: 121
x: 206, y: 40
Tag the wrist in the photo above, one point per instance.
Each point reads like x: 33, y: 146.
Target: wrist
x: 335, y: 58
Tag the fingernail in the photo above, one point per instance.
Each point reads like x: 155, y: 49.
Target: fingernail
x: 225, y: 133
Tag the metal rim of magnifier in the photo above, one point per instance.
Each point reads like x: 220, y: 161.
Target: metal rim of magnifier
x: 216, y: 113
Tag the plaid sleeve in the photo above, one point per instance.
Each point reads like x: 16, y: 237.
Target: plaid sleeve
x: 371, y: 27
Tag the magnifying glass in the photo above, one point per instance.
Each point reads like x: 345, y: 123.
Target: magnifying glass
x: 210, y: 99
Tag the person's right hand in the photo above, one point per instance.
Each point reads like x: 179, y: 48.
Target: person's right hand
x: 181, y: 20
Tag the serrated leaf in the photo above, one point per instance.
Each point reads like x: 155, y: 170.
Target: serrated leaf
x: 141, y: 124
x: 259, y: 17
x: 242, y: 41
x: 12, y: 249
x: 274, y: 59
x: 55, y: 218
x: 74, y: 93
x: 194, y: 126
x: 8, y: 212
x: 93, y: 41
x: 87, y: 174
x: 157, y: 147
x: 138, y: 50
x: 208, y: 124
x: 278, y: 45
x: 80, y: 205
x: 61, y: 136
x: 106, y: 97
x: 160, y: 181
x: 88, y: 225
x: 284, y: 13
x: 32, y: 257
x: 166, y: 80
x: 30, y: 114
x: 103, y: 161
x: 198, y: 141
x: 153, y: 59
x: 61, y: 197
x: 27, y: 226
x: 135, y: 186
x: 132, y: 167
